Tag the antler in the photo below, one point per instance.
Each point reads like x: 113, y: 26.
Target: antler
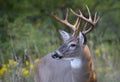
x: 80, y: 16
x: 74, y: 27
x: 88, y: 20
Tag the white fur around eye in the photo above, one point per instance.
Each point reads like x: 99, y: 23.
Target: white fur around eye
x: 72, y: 45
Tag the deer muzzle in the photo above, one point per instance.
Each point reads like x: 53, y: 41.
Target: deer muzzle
x: 57, y: 54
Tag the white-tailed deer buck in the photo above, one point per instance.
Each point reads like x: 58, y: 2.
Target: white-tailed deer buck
x: 72, y: 61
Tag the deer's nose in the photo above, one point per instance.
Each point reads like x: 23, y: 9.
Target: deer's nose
x: 56, y: 55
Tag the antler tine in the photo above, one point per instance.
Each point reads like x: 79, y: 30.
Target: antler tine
x: 90, y: 18
x: 95, y: 21
x: 84, y: 18
x: 84, y: 28
x: 77, y: 26
x: 80, y: 13
x: 65, y: 21
x: 87, y: 31
x: 77, y: 23
x: 66, y: 18
x: 96, y: 18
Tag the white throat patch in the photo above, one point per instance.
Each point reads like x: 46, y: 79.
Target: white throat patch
x: 75, y: 62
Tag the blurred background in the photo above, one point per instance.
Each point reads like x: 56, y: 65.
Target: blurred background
x: 28, y: 32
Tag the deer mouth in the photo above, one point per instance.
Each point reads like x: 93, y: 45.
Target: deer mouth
x: 56, y: 55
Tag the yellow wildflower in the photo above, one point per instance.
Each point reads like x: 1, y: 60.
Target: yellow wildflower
x: 14, y: 63
x: 97, y: 52
x: 100, y: 69
x: 36, y: 60
x: 10, y: 62
x: 31, y: 66
x: 27, y: 63
x: 25, y: 71
x: 3, y: 70
x: 4, y: 65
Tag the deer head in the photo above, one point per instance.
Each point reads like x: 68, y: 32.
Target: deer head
x: 75, y: 42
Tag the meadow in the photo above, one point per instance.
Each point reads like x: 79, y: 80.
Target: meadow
x: 28, y: 32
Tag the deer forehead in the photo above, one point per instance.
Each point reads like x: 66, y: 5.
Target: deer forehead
x: 71, y: 41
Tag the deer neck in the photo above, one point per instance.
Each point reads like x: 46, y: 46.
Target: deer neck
x: 80, y: 64
x: 77, y: 61
x: 76, y: 64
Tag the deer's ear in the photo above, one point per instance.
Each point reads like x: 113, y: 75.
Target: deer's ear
x: 65, y: 36
x: 81, y: 38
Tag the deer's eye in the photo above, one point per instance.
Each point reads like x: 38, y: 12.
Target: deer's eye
x: 73, y: 45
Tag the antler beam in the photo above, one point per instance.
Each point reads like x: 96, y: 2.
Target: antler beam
x: 88, y: 20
